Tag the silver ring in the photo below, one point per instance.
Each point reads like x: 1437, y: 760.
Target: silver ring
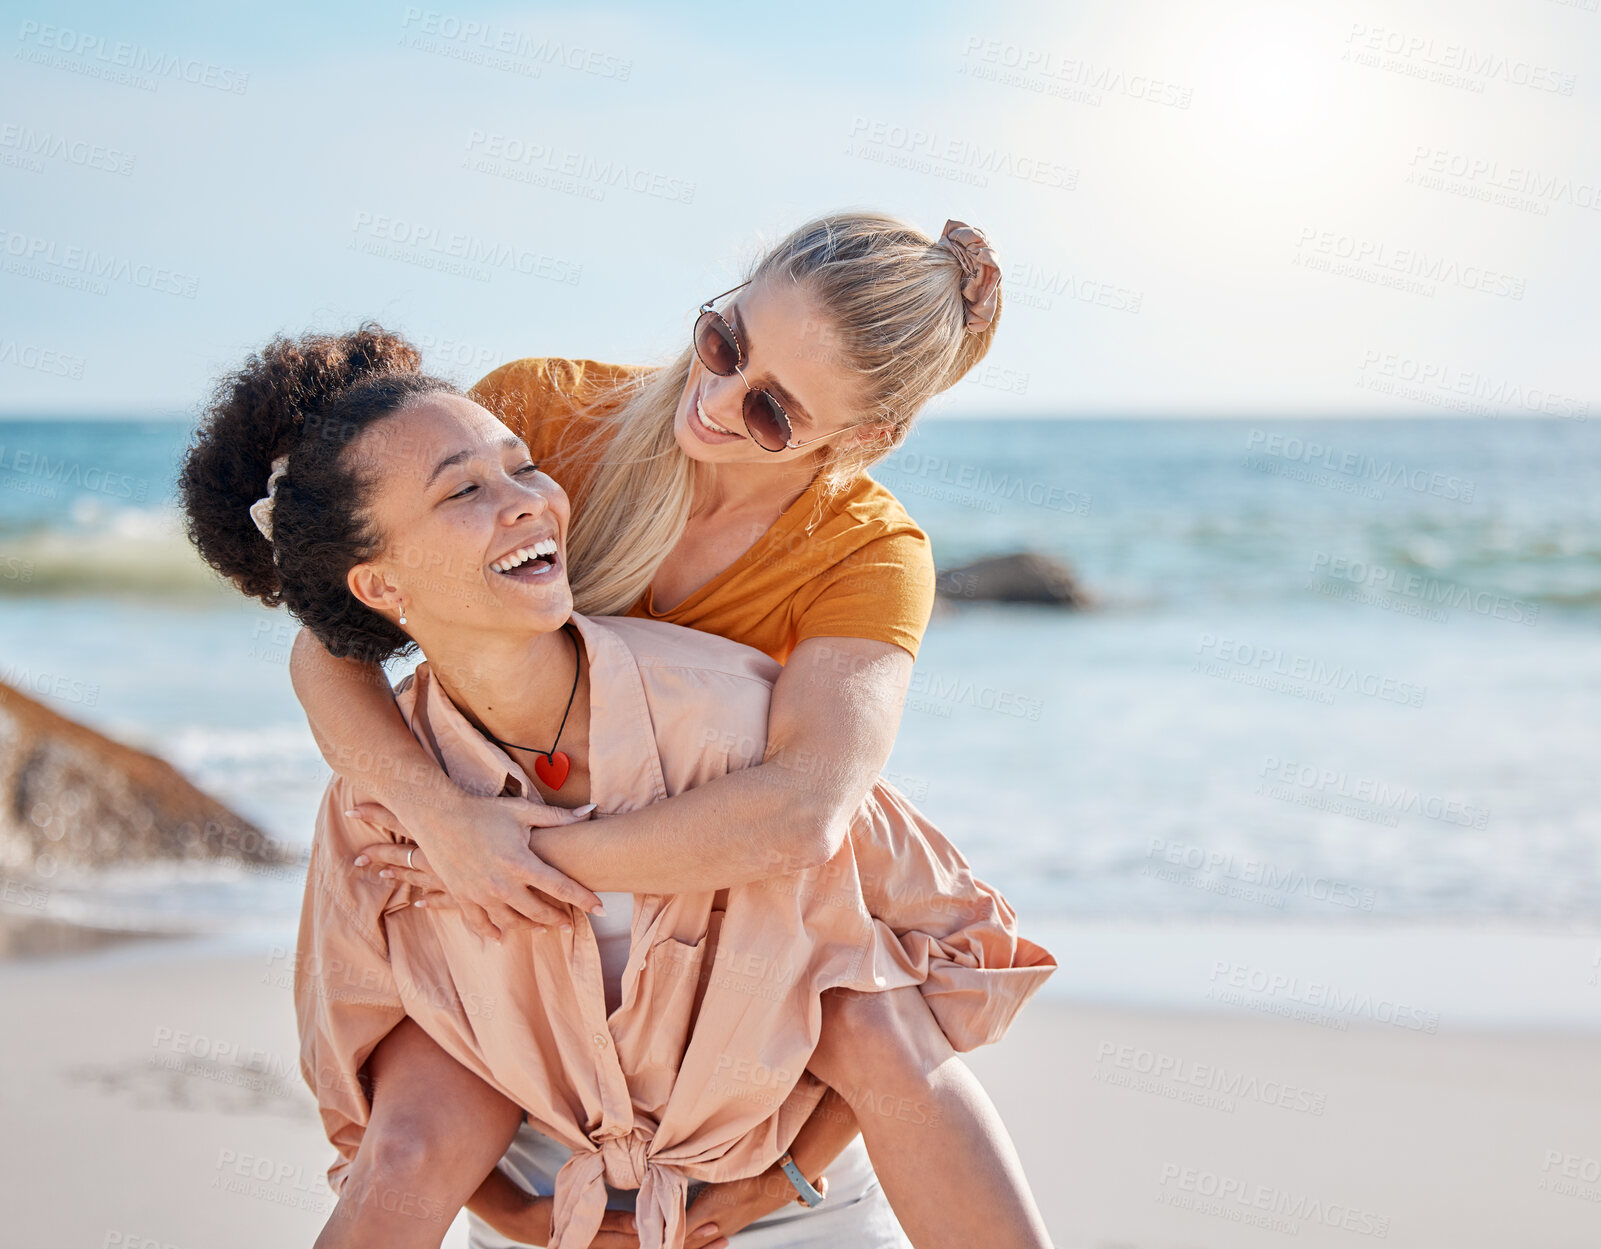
x: 409, y: 863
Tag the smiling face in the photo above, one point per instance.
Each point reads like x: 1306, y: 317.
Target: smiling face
x: 474, y: 536
x: 792, y: 350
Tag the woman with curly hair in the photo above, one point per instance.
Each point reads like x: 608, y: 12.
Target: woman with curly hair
x: 774, y: 537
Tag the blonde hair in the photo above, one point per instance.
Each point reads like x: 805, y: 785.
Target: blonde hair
x: 894, y: 320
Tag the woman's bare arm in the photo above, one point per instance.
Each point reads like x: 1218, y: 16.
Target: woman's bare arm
x: 823, y: 1137
x: 729, y: 1207
x: 835, y: 711
x: 734, y: 1205
x: 360, y: 732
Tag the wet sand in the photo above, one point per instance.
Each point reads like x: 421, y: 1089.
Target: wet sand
x: 152, y: 1099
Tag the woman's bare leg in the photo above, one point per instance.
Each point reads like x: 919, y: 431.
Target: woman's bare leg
x: 436, y: 1131
x: 943, y: 1156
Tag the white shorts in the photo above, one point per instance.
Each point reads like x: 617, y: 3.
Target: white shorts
x: 855, y: 1212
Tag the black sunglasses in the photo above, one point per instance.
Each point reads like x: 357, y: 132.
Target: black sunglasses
x: 719, y: 349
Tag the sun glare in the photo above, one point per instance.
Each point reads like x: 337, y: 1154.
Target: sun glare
x: 1272, y: 77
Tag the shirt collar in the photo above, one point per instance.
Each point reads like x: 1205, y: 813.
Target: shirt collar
x: 625, y: 770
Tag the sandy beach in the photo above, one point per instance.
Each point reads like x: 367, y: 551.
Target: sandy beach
x: 152, y: 1100
x: 1227, y: 368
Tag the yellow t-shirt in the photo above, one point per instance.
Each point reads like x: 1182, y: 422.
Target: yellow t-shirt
x: 865, y: 570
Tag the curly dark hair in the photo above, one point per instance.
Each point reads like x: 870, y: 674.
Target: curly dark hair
x: 309, y: 398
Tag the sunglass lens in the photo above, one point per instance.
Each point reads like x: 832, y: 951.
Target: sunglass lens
x: 766, y: 421
x: 714, y: 344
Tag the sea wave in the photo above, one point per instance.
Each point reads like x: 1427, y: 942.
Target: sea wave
x: 169, y: 898
x: 1153, y: 515
x: 100, y: 548
x: 1136, y: 564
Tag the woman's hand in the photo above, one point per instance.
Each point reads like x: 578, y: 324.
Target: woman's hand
x: 408, y: 864
x: 528, y: 1223
x: 720, y: 1210
x: 478, y: 854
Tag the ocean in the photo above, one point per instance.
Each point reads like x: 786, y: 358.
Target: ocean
x: 1338, y: 672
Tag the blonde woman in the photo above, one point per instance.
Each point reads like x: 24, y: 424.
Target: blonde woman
x: 727, y: 491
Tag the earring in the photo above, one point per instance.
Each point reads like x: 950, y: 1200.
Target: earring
x: 402, y: 611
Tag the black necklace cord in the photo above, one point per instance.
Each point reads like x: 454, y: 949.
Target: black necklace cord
x: 577, y: 666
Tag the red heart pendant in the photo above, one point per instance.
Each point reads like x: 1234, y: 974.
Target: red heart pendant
x: 553, y: 771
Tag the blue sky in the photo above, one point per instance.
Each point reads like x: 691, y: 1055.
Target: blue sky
x: 1227, y: 208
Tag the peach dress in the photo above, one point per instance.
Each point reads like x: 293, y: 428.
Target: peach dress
x: 699, y: 1073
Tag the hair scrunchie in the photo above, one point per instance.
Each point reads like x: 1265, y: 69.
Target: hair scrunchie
x: 981, y: 271
x: 261, y: 509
